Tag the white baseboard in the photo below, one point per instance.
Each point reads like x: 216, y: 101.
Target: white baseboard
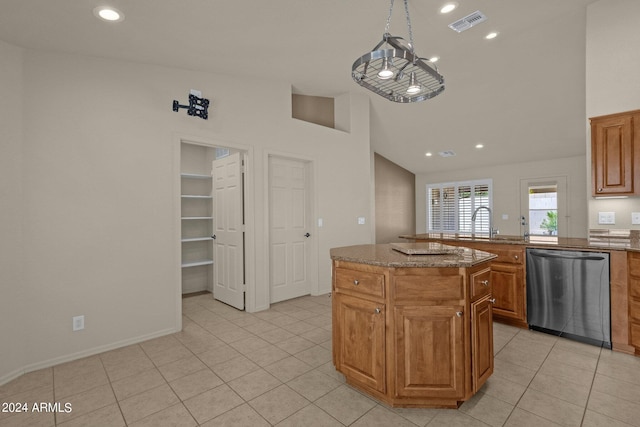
x: 80, y: 354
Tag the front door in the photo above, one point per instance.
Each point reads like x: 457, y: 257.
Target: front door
x: 290, y: 249
x: 228, y: 231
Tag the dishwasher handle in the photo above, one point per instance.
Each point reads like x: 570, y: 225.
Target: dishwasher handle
x: 549, y: 255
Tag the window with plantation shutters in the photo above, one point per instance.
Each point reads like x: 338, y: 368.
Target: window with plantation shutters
x: 450, y: 207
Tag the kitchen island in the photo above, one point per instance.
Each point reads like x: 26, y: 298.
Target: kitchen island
x: 411, y: 329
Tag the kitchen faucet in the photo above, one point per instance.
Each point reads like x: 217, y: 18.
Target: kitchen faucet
x: 492, y: 232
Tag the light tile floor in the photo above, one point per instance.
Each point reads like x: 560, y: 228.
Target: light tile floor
x: 231, y: 368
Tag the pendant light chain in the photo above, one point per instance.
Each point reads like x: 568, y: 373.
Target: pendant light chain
x: 388, y: 26
x: 406, y: 9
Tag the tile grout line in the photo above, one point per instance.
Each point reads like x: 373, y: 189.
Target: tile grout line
x: 531, y: 380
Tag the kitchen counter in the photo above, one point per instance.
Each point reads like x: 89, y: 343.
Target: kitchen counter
x: 598, y: 240
x: 384, y: 255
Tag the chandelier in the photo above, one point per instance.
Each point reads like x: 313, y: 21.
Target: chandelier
x: 394, y: 71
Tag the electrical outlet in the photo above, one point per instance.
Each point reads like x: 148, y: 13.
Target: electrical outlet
x: 78, y: 323
x: 608, y: 218
x: 635, y: 218
x: 361, y: 220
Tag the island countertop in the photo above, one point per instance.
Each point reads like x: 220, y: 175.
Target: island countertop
x: 385, y: 256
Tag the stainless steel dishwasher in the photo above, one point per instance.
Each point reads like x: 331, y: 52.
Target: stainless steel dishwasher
x: 568, y: 294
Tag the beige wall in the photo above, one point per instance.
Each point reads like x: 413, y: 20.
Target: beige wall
x: 12, y: 291
x: 506, y: 191
x: 613, y: 61
x: 99, y: 193
x: 395, y: 201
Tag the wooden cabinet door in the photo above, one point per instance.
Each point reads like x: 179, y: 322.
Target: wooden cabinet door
x: 507, y: 286
x: 481, y: 341
x: 429, y: 351
x: 612, y: 155
x: 360, y: 350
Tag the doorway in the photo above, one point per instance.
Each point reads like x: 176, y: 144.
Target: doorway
x: 543, y: 207
x: 208, y: 247
x: 292, y: 240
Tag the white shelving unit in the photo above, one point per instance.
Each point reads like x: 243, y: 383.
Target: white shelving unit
x: 196, y: 219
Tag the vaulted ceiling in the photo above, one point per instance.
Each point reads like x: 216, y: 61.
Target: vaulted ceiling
x: 521, y: 95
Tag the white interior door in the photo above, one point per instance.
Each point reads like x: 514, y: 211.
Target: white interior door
x: 228, y: 231
x: 290, y: 249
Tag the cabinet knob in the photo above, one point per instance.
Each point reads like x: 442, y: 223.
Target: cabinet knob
x: 484, y: 283
x: 599, y: 190
x: 492, y: 300
x: 355, y: 282
x: 459, y: 313
x: 516, y: 256
x: 377, y: 311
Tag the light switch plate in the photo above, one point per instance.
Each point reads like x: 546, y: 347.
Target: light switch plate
x: 361, y: 220
x: 608, y: 218
x: 635, y: 218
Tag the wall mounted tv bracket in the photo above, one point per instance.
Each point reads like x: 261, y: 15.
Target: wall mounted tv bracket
x: 197, y: 106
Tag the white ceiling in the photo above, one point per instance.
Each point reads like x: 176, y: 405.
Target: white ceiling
x: 522, y: 94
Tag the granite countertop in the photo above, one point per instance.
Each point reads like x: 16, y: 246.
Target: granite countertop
x: 598, y: 240
x: 385, y: 256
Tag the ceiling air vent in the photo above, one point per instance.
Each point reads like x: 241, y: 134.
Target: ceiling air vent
x: 447, y: 153
x: 468, y: 21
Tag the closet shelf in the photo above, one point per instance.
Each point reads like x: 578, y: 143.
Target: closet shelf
x: 196, y: 239
x: 195, y: 176
x: 195, y: 196
x: 196, y: 217
x: 197, y: 263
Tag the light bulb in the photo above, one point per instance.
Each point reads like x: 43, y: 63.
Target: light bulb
x: 385, y: 72
x: 414, y: 86
x: 108, y: 14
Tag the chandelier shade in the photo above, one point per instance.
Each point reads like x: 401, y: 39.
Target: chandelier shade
x: 395, y: 72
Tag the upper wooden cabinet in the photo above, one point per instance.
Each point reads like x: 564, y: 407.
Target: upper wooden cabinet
x: 615, y: 154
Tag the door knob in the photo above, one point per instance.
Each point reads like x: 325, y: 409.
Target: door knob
x: 307, y: 235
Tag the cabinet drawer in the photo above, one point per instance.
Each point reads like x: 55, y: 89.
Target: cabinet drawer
x: 413, y: 288
x: 480, y: 284
x: 633, y: 259
x: 359, y: 282
x: 511, y: 256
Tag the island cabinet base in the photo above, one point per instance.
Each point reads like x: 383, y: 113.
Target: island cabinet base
x: 413, y: 336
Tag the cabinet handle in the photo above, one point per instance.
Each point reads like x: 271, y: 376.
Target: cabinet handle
x: 485, y: 283
x: 355, y: 282
x: 492, y: 300
x: 459, y: 313
x: 377, y: 311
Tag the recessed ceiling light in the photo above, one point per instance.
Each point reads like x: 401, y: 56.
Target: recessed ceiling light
x: 448, y: 7
x: 428, y: 154
x: 434, y: 58
x: 479, y: 145
x: 491, y: 35
x: 108, y: 14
